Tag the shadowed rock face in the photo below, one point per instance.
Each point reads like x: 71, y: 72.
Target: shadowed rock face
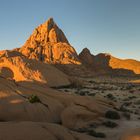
x: 107, y: 64
x: 86, y: 57
x: 49, y: 44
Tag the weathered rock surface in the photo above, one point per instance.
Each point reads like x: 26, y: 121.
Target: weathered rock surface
x: 49, y: 44
x: 132, y: 135
x: 38, y: 131
x: 86, y: 57
x: 107, y: 64
x: 13, y: 65
x: 44, y: 117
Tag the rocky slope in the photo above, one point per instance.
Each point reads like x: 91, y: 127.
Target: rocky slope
x: 107, y: 64
x: 55, y: 116
x: 49, y: 44
x: 15, y: 66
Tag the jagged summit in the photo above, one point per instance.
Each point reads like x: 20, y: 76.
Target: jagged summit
x: 86, y: 57
x: 49, y: 44
x: 54, y: 33
x: 86, y: 51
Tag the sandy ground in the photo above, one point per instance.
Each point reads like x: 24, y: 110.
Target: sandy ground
x: 125, y: 93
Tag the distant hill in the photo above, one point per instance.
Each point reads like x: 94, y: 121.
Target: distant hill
x: 107, y: 64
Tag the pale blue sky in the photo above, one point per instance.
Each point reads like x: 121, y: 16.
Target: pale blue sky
x: 111, y: 26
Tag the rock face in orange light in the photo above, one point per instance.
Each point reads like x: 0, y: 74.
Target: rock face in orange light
x: 49, y: 44
x: 13, y: 65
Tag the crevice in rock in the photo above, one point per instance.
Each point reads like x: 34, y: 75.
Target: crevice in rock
x: 25, y: 97
x: 95, y: 111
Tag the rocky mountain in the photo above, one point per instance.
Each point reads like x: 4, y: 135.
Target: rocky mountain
x: 107, y: 64
x: 32, y: 106
x: 49, y: 44
x: 28, y: 101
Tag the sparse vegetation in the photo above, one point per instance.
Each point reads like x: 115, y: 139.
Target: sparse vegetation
x: 127, y: 115
x: 132, y: 97
x: 112, y: 115
x: 110, y: 124
x: 96, y: 134
x: 81, y: 130
x: 34, y: 99
x: 137, y: 102
x: 131, y: 91
x: 110, y: 96
x: 123, y: 108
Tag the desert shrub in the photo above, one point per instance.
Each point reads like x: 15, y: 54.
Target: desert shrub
x: 127, y: 115
x: 92, y: 82
x: 110, y: 124
x: 129, y: 87
x: 81, y: 130
x: 112, y: 115
x: 137, y: 102
x: 96, y: 134
x: 33, y: 99
x: 82, y: 93
x: 110, y: 96
x: 102, y: 91
x: 66, y: 90
x: 131, y: 91
x: 132, y: 97
x: 123, y: 108
x: 136, y: 112
x: 127, y: 103
x: 93, y: 125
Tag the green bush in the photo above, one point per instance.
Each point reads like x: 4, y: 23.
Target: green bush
x: 34, y: 99
x: 112, y: 115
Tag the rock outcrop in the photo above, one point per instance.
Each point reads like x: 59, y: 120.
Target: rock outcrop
x: 57, y: 115
x: 49, y: 44
x: 15, y: 66
x: 86, y: 57
x: 104, y: 63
